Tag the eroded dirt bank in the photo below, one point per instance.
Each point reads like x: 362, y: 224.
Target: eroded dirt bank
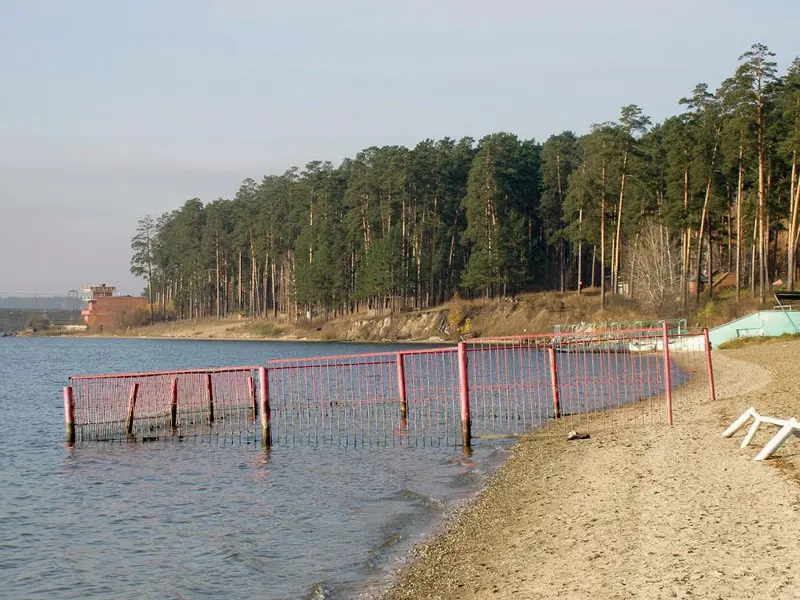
x: 650, y: 513
x: 531, y: 313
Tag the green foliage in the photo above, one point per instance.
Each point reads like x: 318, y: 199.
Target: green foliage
x: 707, y: 313
x: 134, y: 318
x: 456, y: 312
x: 37, y: 323
x: 744, y: 342
x: 502, y: 197
x: 408, y: 227
x: 266, y: 329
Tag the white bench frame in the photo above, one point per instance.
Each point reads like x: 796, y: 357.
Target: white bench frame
x: 787, y: 427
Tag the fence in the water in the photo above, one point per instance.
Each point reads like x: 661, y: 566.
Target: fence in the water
x: 377, y: 399
x: 148, y: 406
x: 482, y: 388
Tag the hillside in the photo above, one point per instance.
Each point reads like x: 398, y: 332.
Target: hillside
x: 528, y: 313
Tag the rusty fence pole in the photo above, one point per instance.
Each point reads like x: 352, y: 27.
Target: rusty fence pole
x: 667, y: 372
x: 131, y: 408
x: 463, y: 386
x: 554, y: 382
x: 266, y: 425
x: 173, y: 404
x: 251, y: 388
x: 210, y: 394
x: 69, y: 414
x: 709, y: 365
x: 401, y: 389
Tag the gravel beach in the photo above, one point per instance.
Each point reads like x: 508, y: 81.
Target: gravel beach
x: 645, y: 512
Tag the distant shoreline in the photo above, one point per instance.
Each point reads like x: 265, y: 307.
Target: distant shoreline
x: 200, y: 338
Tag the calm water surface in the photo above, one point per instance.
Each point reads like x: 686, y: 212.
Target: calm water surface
x: 199, y: 519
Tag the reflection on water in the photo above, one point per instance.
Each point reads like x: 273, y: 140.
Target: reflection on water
x: 200, y: 519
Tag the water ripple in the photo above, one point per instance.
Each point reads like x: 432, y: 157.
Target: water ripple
x: 174, y: 521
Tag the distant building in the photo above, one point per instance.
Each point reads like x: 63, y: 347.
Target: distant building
x: 92, y: 292
x: 104, y: 310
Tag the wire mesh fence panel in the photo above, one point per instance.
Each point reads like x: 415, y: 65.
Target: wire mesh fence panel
x: 150, y: 406
x: 332, y: 400
x: 502, y: 386
x: 691, y: 367
x: 433, y: 398
x: 603, y: 379
x: 605, y: 383
x: 509, y: 386
x: 367, y: 399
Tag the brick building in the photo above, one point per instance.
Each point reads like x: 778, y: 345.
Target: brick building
x: 104, y: 310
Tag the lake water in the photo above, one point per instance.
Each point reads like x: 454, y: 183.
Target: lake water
x: 202, y: 519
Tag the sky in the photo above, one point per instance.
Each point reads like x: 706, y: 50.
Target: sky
x: 113, y: 110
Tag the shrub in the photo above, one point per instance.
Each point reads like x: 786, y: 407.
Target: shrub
x: 37, y: 323
x: 266, y: 329
x: 654, y: 267
x: 707, y: 314
x: 136, y: 318
x: 456, y: 312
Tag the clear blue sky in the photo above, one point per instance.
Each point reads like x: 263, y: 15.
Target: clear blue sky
x: 111, y: 110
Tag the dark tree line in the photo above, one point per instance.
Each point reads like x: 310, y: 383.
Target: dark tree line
x: 396, y: 228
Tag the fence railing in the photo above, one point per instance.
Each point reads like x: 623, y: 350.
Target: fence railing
x: 155, y: 405
x: 375, y: 399
x: 482, y: 388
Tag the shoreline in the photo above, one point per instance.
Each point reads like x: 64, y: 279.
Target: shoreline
x: 426, y: 341
x: 645, y: 512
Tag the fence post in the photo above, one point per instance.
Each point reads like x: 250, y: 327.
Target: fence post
x: 251, y: 387
x: 463, y: 386
x: 69, y: 414
x: 554, y: 382
x: 131, y: 408
x: 173, y: 405
x: 401, y: 388
x: 210, y: 392
x: 710, y: 366
x: 266, y: 425
x: 667, y: 373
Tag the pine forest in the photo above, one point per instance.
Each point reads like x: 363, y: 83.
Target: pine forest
x: 636, y: 208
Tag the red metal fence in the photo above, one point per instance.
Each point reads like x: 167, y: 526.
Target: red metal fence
x: 156, y: 405
x: 366, y: 399
x: 490, y: 387
x: 483, y: 388
x: 525, y: 383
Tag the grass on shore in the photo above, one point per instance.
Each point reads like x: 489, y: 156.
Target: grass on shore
x: 744, y: 342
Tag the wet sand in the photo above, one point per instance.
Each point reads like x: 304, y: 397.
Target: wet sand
x: 645, y: 512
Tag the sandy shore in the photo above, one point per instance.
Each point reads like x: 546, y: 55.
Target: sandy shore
x: 650, y: 512
x: 248, y: 330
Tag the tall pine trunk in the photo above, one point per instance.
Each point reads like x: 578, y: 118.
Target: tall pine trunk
x: 762, y: 198
x: 603, y: 238
x: 618, y: 236
x: 739, y: 200
x: 794, y: 209
x: 686, y: 239
x: 703, y: 217
x: 580, y: 249
x: 753, y: 287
